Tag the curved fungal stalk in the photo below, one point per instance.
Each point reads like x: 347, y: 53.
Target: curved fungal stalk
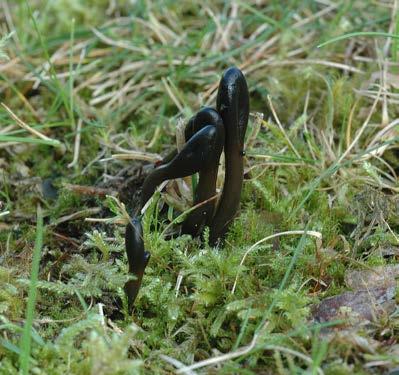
x: 195, y: 156
x: 233, y: 105
x: 137, y: 257
x: 206, y: 188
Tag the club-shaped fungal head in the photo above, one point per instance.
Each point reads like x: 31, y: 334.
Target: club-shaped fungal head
x: 205, y: 116
x: 137, y: 257
x: 232, y: 103
x: 195, y: 155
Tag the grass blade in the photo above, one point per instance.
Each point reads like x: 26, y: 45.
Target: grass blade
x: 26, y: 337
x: 11, y: 138
x: 358, y: 33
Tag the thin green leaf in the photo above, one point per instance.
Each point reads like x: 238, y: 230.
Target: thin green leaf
x: 358, y: 33
x: 10, y: 138
x: 26, y: 337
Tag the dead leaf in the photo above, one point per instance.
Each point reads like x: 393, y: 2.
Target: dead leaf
x: 382, y: 276
x: 355, y: 306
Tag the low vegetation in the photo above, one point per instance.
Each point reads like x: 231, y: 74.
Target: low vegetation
x: 94, y: 92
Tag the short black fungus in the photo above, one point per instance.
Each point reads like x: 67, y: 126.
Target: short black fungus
x: 137, y: 257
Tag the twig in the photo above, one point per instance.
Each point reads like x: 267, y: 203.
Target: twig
x: 185, y: 213
x: 89, y: 190
x: 77, y: 144
x: 76, y: 215
x: 66, y: 239
x: 136, y: 155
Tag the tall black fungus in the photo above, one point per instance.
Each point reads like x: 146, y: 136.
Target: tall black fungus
x: 233, y: 106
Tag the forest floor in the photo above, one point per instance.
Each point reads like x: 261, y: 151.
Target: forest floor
x: 92, y: 94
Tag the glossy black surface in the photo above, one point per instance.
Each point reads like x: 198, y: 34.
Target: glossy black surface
x: 197, y: 154
x: 233, y: 105
x: 206, y: 188
x: 137, y: 257
x: 207, y: 134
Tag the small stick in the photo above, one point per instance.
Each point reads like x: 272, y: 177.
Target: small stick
x: 67, y: 239
x: 137, y: 155
x: 77, y: 145
x: 89, y: 190
x: 76, y: 215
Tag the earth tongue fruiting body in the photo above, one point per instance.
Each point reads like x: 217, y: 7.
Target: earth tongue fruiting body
x: 207, y: 134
